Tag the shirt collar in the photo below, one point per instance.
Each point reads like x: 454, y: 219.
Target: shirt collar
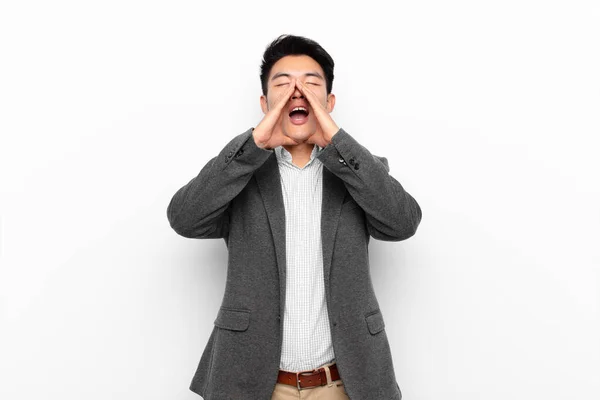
x: 284, y: 155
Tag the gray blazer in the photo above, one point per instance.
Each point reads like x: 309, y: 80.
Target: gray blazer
x: 237, y: 196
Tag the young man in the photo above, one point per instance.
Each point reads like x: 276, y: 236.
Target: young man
x: 296, y: 200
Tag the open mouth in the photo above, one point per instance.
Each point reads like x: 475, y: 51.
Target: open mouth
x: 299, y: 115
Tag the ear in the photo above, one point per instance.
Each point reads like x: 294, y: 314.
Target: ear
x: 330, y: 102
x: 263, y: 104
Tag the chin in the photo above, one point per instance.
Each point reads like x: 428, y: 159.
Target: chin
x: 300, y: 136
x: 299, y: 132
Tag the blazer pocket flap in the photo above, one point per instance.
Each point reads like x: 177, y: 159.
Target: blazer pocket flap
x: 375, y: 322
x: 234, y: 320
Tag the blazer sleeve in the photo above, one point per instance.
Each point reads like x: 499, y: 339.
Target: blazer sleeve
x: 200, y: 209
x: 392, y: 214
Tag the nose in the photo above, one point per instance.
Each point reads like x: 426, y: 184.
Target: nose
x: 297, y: 94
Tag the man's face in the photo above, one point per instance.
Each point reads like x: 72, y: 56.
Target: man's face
x: 297, y: 125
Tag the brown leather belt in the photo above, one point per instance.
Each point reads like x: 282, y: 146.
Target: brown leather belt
x: 306, y: 379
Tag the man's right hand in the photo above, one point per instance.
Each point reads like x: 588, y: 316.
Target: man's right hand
x: 268, y: 133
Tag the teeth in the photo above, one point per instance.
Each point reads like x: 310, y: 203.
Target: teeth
x: 299, y: 108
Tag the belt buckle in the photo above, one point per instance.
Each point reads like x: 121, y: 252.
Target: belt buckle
x: 304, y: 372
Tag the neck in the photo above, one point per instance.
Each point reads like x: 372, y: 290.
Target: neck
x: 300, y: 153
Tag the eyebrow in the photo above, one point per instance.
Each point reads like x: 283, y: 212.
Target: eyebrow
x: 280, y: 74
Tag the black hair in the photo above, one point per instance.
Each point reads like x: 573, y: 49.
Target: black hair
x: 286, y: 45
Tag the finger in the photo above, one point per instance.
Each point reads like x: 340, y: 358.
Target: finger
x: 274, y: 115
x: 286, y: 95
x: 313, y: 100
x: 301, y: 87
x: 306, y: 91
x: 311, y: 96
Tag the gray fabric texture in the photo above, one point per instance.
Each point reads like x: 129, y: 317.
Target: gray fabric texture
x: 237, y: 196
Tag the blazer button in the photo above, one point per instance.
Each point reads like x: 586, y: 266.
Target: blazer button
x: 356, y: 166
x: 351, y: 161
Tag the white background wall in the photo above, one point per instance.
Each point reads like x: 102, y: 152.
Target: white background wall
x: 487, y: 112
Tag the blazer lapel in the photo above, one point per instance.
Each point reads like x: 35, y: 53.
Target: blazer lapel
x: 333, y: 195
x: 269, y: 184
